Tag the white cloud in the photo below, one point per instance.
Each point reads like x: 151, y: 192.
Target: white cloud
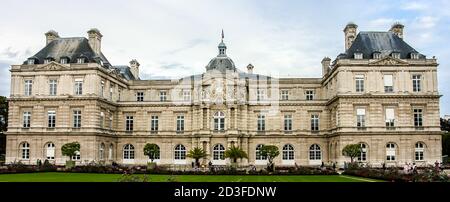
x: 414, y: 6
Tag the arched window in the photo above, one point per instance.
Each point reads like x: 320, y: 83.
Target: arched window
x: 288, y: 152
x: 218, y: 152
x: 419, y: 151
x: 128, y: 151
x: 110, y: 152
x: 258, y: 153
x: 50, y: 151
x: 219, y: 121
x: 180, y: 152
x: 363, y: 155
x: 101, y: 151
x: 25, y: 150
x: 390, y: 151
x: 314, y: 152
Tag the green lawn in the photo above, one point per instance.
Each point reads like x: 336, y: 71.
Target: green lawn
x: 94, y: 177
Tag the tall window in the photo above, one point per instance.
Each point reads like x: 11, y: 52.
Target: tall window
x: 102, y: 89
x: 258, y: 153
x: 288, y: 152
x: 102, y: 119
x: 111, y: 90
x: 260, y: 94
x: 219, y: 121
x: 162, y: 96
x: 53, y: 86
x: 390, y: 151
x: 51, y: 115
x: 50, y: 151
x: 101, y: 151
x: 359, y: 79
x: 180, y: 123
x: 360, y: 118
x: 261, y: 122
x: 26, y: 119
x: 416, y: 83
x: 390, y: 117
x: 186, y: 95
x: 154, y: 123
x: 284, y: 95
x: 388, y: 83
x: 77, y: 118
x: 314, y: 152
x: 129, y: 123
x: 78, y: 87
x: 363, y: 154
x: 309, y: 95
x: 219, y: 152
x: 28, y: 87
x: 180, y: 152
x: 110, y: 122
x: 128, y: 152
x: 418, y: 117
x: 288, y: 122
x: 419, y: 151
x: 140, y: 96
x: 314, y: 122
x: 25, y: 150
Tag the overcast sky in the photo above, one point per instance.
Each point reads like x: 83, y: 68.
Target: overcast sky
x: 171, y: 39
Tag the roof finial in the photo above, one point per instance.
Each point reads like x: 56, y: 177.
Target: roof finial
x: 223, y: 35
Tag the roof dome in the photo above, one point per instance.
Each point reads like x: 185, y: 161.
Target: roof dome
x: 222, y: 62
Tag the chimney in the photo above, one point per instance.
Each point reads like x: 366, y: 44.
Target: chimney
x: 250, y: 68
x: 326, y: 61
x: 50, y: 36
x: 350, y: 34
x: 134, y: 67
x: 95, y: 40
x: 397, y: 29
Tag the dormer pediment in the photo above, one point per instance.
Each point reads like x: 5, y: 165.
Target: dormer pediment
x: 52, y: 66
x: 389, y: 61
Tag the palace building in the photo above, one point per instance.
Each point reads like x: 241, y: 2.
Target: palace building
x: 380, y: 93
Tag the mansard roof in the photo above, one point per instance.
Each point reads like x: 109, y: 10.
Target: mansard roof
x: 71, y: 48
x: 385, y: 43
x: 125, y: 72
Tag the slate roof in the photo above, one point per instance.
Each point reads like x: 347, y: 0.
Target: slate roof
x: 382, y: 42
x: 71, y: 48
x: 125, y: 72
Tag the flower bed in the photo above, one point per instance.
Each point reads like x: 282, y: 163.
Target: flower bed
x: 426, y: 174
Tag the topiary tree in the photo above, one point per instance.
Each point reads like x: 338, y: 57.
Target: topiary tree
x: 70, y: 150
x: 151, y: 150
x: 352, y: 151
x: 235, y: 153
x: 270, y: 151
x: 196, y: 153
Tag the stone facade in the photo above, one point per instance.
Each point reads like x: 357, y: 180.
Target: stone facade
x: 388, y: 103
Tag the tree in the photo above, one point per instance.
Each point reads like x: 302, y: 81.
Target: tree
x: 3, y: 124
x: 70, y: 150
x: 269, y: 151
x: 151, y: 150
x: 197, y: 154
x: 235, y: 153
x: 352, y: 151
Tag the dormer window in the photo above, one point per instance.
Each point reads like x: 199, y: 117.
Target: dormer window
x: 47, y: 60
x: 63, y: 61
x: 31, y: 61
x: 415, y: 56
x: 80, y: 60
x: 358, y: 56
x: 376, y: 55
x: 395, y: 55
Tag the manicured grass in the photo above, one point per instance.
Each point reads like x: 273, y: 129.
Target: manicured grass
x: 94, y: 177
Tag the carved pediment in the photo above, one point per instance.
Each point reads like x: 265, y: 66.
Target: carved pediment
x: 389, y: 61
x: 52, y: 66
